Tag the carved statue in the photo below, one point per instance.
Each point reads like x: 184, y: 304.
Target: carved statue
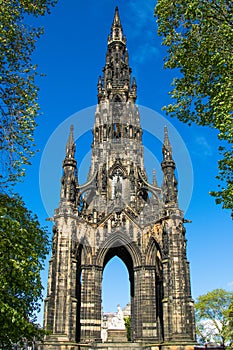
x: 118, y: 188
x: 117, y: 322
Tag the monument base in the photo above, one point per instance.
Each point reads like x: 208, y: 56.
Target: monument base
x: 117, y: 335
x: 115, y: 345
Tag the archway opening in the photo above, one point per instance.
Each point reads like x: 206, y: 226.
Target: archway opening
x: 117, y: 292
x: 115, y: 285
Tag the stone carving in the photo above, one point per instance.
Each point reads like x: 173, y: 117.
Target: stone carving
x: 117, y: 322
x: 104, y: 177
x: 118, y: 188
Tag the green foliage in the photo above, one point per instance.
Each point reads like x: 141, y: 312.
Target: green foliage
x: 229, y: 314
x: 199, y: 37
x: 127, y: 321
x: 214, y: 317
x: 23, y: 248
x: 18, y: 92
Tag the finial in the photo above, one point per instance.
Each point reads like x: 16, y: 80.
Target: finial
x: 134, y: 84
x: 166, y: 139
x: 126, y: 56
x: 154, y: 180
x: 70, y: 146
x: 116, y: 16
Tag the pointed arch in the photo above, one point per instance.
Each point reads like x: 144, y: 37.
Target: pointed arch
x: 117, y: 98
x: 84, y: 252
x: 153, y: 252
x: 120, y: 245
x: 118, y: 167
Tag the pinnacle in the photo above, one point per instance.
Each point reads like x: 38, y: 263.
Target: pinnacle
x: 116, y: 16
x: 154, y: 181
x: 71, y: 136
x: 116, y: 30
x: 167, y: 148
x: 70, y: 146
x: 166, y: 139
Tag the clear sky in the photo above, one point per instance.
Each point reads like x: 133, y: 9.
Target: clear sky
x: 72, y: 54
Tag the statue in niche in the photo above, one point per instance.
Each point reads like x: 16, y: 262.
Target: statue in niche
x: 104, y: 177
x: 118, y: 188
x: 132, y: 177
x: 72, y: 191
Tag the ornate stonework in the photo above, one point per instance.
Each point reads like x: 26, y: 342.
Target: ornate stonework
x: 118, y: 212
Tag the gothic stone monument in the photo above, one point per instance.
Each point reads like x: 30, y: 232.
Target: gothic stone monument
x: 117, y: 212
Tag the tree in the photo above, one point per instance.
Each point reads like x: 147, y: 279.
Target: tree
x: 199, y: 39
x: 230, y: 317
x: 213, y: 317
x: 18, y: 92
x: 127, y: 321
x: 23, y: 248
x: 23, y: 244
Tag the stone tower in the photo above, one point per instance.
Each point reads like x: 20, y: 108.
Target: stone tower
x: 117, y: 212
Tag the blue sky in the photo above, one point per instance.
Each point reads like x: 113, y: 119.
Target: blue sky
x: 72, y: 54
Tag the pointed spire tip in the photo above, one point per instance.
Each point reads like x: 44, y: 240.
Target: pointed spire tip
x: 166, y: 138
x: 71, y: 135
x: 167, y: 148
x: 70, y: 146
x: 116, y: 16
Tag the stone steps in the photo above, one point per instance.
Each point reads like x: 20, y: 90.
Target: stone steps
x: 117, y: 346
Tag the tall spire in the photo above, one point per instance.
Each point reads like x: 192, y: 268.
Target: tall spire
x: 116, y: 30
x: 116, y: 85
